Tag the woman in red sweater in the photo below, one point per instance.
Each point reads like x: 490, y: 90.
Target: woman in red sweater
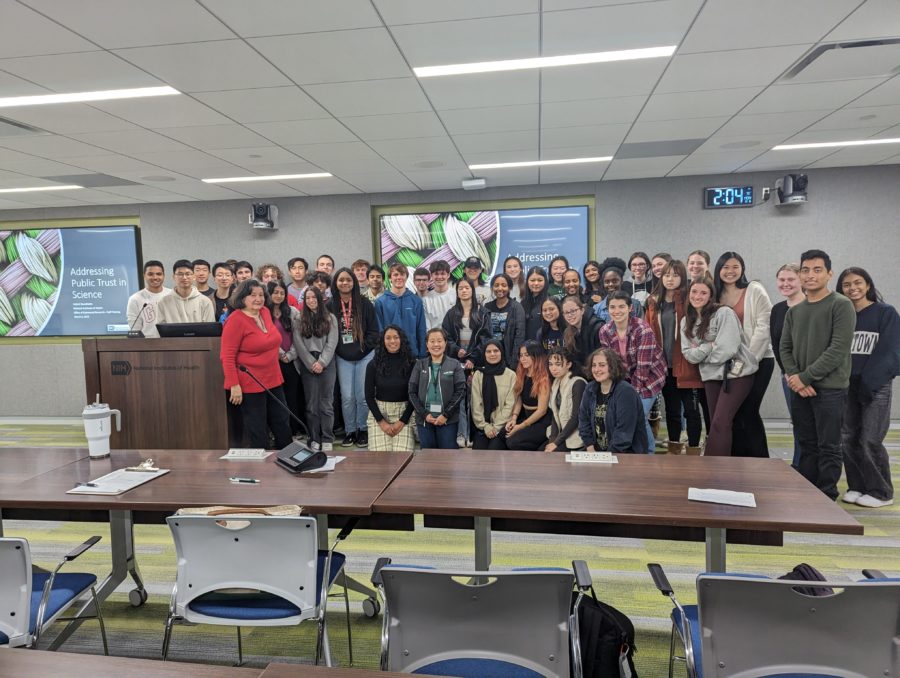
x: 250, y: 339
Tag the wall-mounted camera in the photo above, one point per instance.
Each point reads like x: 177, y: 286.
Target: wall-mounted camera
x: 791, y: 189
x: 263, y: 216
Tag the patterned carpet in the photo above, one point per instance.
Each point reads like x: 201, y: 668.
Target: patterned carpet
x: 618, y: 567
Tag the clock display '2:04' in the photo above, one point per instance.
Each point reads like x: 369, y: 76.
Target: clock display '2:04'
x: 727, y: 196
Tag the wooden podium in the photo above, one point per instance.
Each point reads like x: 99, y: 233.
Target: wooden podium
x: 170, y: 391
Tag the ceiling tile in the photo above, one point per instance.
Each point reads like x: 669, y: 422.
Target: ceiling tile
x: 11, y: 86
x: 588, y: 151
x: 161, y: 112
x: 710, y: 103
x: 728, y: 143
x: 561, y: 137
x: 66, y: 118
x: 598, y: 29
x: 641, y: 168
x: 561, y: 5
x: 398, y: 12
x: 693, y: 72
x: 303, y: 131
x: 658, y: 149
x: 713, y: 163
x: 732, y: 24
x: 477, y: 157
x: 343, y: 157
x: 860, y: 155
x: 808, y: 96
x: 870, y: 61
x: 556, y: 174
x: 131, y: 141
x: 873, y: 19
x: 395, y: 126
x: 362, y: 54
x: 52, y: 146
x: 496, y: 38
x: 102, y: 197
x: 380, y: 182
x: 893, y: 160
x: 114, y: 164
x: 24, y: 32
x: 206, y: 66
x: 591, y: 112
x: 517, y: 176
x: 254, y: 157
x: 377, y: 97
x: 623, y: 79
x: 436, y: 153
x: 266, y: 104
x: 144, y: 193
x: 786, y: 160
x: 280, y: 17
x: 215, y: 136
x: 34, y: 166
x: 860, y: 118
x: 484, y: 90
x: 431, y: 180
x: 133, y: 23
x: 81, y: 72
x: 662, y: 130
x: 324, y: 186
x: 269, y: 190
x: 771, y: 123
x: 883, y: 95
x: 496, y: 119
x: 813, y: 135
x: 191, y: 163
x: 498, y: 141
x: 297, y: 166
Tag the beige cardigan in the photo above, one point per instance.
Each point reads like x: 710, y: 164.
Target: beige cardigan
x: 506, y: 398
x: 757, y: 312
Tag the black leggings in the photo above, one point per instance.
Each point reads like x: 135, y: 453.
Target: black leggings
x: 676, y: 399
x: 749, y: 439
x: 260, y: 415
x: 532, y: 437
x: 482, y: 442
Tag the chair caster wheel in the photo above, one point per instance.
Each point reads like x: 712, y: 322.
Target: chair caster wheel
x: 371, y: 607
x: 137, y: 597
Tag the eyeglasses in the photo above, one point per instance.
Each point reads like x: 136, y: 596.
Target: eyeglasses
x: 571, y: 311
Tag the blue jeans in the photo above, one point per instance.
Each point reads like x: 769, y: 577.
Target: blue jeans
x: 651, y: 440
x: 817, y: 425
x: 438, y: 437
x: 352, y: 378
x: 789, y: 398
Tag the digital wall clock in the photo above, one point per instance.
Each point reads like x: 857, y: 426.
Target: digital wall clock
x: 727, y: 196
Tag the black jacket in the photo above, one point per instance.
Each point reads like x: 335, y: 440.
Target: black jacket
x: 480, y: 334
x: 514, y: 336
x: 353, y: 351
x: 626, y: 428
x: 453, y: 387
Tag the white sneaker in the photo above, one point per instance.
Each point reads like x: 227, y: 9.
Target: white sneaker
x: 460, y: 442
x: 850, y: 496
x: 871, y: 502
x: 314, y: 446
x: 328, y: 447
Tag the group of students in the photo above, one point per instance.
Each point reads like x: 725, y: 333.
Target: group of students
x: 561, y: 359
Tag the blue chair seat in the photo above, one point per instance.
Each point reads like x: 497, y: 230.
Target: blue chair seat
x: 478, y: 668
x: 66, y: 588
x: 256, y: 606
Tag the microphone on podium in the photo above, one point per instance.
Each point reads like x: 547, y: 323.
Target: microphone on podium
x: 133, y: 333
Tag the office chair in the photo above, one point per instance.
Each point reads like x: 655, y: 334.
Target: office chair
x: 31, y: 601
x: 253, y: 570
x: 750, y: 626
x: 512, y: 623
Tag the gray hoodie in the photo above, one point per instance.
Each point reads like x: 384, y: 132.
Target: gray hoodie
x: 197, y: 308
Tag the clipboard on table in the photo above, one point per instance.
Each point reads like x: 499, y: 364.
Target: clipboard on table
x: 118, y: 482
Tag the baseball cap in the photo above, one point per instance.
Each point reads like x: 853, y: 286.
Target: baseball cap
x: 473, y: 262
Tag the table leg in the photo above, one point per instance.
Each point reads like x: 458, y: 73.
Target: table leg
x: 1, y: 523
x: 124, y: 564
x: 482, y: 543
x: 715, y: 549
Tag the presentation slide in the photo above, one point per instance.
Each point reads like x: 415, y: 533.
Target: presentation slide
x: 534, y: 235
x: 76, y: 281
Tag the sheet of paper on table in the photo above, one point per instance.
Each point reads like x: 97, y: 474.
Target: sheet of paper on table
x: 118, y: 482
x: 722, y: 497
x: 329, y: 465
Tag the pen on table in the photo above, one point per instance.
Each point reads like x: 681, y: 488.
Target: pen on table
x: 244, y: 480
x: 86, y: 485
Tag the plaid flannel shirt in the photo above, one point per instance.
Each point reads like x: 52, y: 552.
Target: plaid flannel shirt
x: 645, y: 361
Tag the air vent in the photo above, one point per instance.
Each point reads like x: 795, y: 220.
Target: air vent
x: 11, y: 128
x: 847, y: 61
x: 91, y: 180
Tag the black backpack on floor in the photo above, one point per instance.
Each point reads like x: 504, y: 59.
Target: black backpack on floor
x: 607, y: 639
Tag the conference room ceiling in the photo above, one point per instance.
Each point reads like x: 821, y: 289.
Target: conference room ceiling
x: 274, y: 87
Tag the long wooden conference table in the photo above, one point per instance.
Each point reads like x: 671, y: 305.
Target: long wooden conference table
x: 640, y: 496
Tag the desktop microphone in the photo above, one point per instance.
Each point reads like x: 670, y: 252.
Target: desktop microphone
x: 296, y: 457
x: 133, y: 333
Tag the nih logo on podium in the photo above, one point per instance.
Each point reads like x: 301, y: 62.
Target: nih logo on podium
x: 120, y: 368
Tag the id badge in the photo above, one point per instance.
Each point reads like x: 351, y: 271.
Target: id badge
x: 435, y: 408
x: 346, y: 338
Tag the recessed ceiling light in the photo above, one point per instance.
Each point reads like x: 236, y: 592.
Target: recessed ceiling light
x: 546, y: 62
x: 76, y: 97
x: 33, y: 189
x: 835, y: 144
x: 538, y: 163
x: 274, y: 177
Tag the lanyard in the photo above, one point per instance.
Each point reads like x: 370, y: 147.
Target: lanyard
x: 347, y: 313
